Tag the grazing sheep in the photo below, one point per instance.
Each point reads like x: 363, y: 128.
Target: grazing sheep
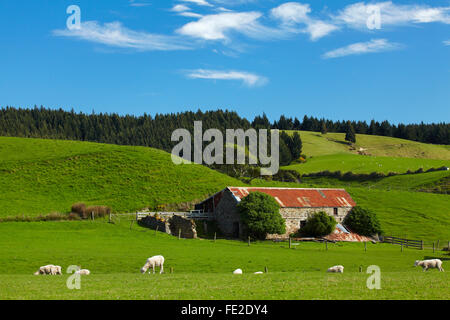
x: 432, y: 263
x: 44, y: 270
x: 237, y: 271
x: 153, y: 262
x: 55, y: 270
x: 83, y: 272
x: 259, y: 272
x: 336, y: 269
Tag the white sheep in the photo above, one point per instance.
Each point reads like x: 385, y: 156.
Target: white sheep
x: 83, y: 272
x: 337, y: 269
x: 432, y: 263
x: 45, y: 270
x: 237, y: 271
x: 259, y: 272
x: 55, y: 270
x: 153, y: 262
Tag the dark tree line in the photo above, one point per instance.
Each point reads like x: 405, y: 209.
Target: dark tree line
x: 436, y: 133
x: 155, y: 131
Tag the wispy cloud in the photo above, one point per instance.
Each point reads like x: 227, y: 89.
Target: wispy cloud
x: 180, y: 8
x: 446, y: 43
x: 134, y: 3
x: 249, y: 79
x: 291, y: 14
x: 356, y: 15
x: 374, y: 45
x: 115, y: 34
x: 218, y: 26
x: 199, y: 2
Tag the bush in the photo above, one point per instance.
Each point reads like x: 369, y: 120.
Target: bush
x: 78, y: 208
x: 363, y: 222
x: 99, y: 211
x: 318, y: 225
x: 261, y: 215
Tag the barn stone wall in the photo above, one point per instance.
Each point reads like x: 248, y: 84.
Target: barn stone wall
x: 294, y: 216
x: 171, y: 225
x: 227, y: 216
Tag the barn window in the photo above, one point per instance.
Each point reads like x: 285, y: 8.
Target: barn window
x: 335, y: 211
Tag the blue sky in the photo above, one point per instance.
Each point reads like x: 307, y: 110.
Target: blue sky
x: 322, y: 58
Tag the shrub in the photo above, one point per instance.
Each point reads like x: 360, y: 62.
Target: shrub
x: 79, y: 208
x: 260, y: 214
x: 318, y: 225
x: 99, y: 211
x: 363, y: 222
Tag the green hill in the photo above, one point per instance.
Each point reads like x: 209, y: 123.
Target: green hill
x: 42, y: 176
x: 370, y: 154
x: 315, y: 144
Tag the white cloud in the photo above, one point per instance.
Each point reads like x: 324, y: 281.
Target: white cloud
x: 133, y: 3
x: 190, y: 14
x: 356, y: 15
x: 293, y: 13
x: 114, y: 34
x: 180, y: 8
x: 217, y: 26
x: 199, y: 2
x: 447, y: 42
x: 374, y: 45
x: 247, y: 78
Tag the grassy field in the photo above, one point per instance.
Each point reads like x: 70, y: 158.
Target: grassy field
x: 315, y: 144
x: 43, y: 176
x: 114, y: 253
x: 365, y: 164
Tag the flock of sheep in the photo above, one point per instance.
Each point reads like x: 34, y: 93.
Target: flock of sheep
x: 158, y: 261
x: 56, y: 270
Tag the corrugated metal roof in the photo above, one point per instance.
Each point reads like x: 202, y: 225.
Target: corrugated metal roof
x: 300, y: 197
x: 342, y: 234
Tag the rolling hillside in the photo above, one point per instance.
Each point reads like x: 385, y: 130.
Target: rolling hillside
x: 43, y: 176
x: 370, y: 154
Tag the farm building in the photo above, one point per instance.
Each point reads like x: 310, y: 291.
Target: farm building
x: 296, y: 204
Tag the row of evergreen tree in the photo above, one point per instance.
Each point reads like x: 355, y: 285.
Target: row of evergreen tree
x: 155, y: 131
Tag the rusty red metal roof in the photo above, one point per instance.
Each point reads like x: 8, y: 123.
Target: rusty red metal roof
x: 340, y: 235
x: 300, y: 197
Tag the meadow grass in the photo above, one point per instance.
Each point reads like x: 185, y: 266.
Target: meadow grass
x: 315, y: 144
x: 43, y: 176
x: 202, y: 268
x: 365, y: 164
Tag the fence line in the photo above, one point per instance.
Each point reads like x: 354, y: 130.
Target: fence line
x: 418, y: 244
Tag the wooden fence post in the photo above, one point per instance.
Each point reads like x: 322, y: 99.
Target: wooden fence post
x: 156, y: 230
x: 249, y: 241
x: 179, y: 233
x: 171, y: 269
x: 433, y: 246
x: 421, y: 244
x: 266, y: 270
x: 289, y: 242
x: 402, y: 247
x: 326, y: 245
x: 92, y: 215
x: 131, y: 224
x: 448, y: 246
x: 215, y: 236
x: 110, y: 217
x: 365, y: 246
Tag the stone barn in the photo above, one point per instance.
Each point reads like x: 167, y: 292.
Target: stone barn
x: 296, y: 204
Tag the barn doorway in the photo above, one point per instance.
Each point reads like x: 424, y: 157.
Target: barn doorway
x: 236, y: 229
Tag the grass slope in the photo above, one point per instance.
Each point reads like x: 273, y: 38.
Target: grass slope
x: 365, y: 164
x: 315, y: 144
x: 42, y: 176
x: 114, y: 254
